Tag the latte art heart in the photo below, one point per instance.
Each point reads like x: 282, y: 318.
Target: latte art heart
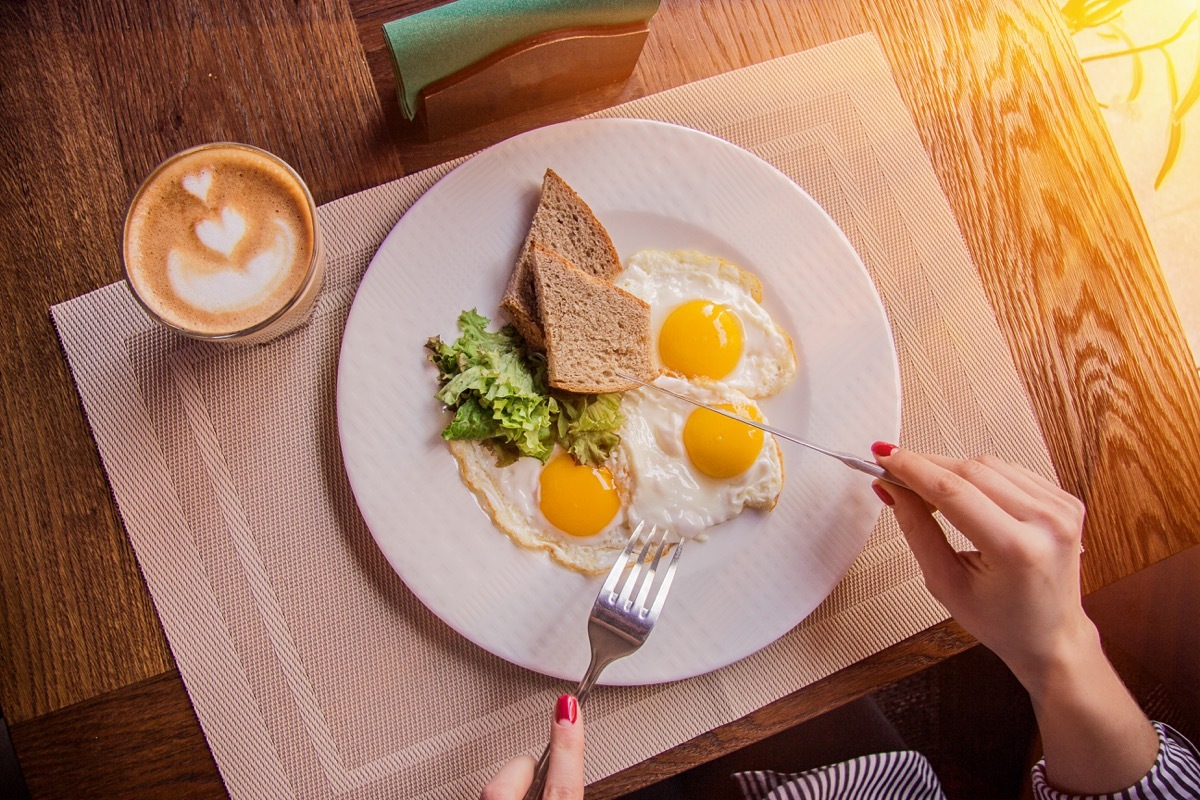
x: 224, y: 235
x: 234, y: 288
x: 199, y: 184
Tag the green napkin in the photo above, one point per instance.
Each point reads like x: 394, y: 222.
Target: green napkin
x: 439, y: 42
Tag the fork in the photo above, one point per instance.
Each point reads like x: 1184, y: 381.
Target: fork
x: 620, y: 622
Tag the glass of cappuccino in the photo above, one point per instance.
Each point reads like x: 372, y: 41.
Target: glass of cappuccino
x: 221, y: 243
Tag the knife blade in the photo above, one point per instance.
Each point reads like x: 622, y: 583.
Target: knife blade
x: 854, y: 462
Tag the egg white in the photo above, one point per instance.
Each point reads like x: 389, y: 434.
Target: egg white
x: 667, y: 280
x: 510, y: 496
x: 659, y: 483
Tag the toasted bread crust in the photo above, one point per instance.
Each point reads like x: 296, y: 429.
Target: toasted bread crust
x: 564, y: 223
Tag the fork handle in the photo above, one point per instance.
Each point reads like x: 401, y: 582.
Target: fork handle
x: 594, y: 669
x: 581, y: 693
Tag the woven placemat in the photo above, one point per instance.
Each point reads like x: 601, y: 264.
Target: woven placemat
x: 314, y: 672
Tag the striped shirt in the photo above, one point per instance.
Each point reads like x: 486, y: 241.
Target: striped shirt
x: 906, y: 775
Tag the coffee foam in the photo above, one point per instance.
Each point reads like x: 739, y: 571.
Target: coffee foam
x: 219, y: 240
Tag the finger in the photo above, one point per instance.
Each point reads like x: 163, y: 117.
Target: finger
x: 1004, y: 487
x: 1044, y: 491
x: 1042, y: 481
x: 937, y: 559
x: 1042, y: 498
x: 511, y: 782
x: 1021, y: 477
x: 1062, y: 509
x: 1034, y: 477
x: 564, y: 778
x: 963, y: 504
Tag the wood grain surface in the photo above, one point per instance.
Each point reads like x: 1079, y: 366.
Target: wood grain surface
x: 94, y: 94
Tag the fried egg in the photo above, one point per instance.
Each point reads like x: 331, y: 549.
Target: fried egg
x: 572, y: 511
x: 689, y: 468
x: 708, y: 322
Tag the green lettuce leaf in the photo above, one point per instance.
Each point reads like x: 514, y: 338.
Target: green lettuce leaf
x: 587, y: 426
x: 500, y: 395
x: 471, y: 421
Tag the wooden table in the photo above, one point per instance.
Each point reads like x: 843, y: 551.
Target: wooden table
x: 93, y: 97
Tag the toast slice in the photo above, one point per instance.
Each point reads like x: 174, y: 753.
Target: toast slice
x: 593, y: 330
x: 565, y: 224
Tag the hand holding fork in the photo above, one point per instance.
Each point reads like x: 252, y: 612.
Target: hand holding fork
x: 622, y: 617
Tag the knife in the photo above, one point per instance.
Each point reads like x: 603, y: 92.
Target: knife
x: 860, y: 464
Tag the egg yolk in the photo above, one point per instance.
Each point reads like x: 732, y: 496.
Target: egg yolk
x: 701, y: 339
x: 577, y: 499
x: 721, y: 447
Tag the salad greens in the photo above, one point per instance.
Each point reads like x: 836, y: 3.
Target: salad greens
x: 500, y: 395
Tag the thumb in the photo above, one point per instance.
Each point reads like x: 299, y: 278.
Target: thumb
x: 937, y: 559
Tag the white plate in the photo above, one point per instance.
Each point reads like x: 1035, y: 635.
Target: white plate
x: 652, y: 185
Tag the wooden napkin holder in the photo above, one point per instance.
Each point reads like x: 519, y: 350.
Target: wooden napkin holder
x: 534, y: 72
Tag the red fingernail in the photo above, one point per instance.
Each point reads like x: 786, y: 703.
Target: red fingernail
x: 566, y: 709
x: 883, y: 495
x: 883, y: 449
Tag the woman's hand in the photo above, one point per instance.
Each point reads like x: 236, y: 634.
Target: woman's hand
x: 1018, y: 593
x: 564, y: 779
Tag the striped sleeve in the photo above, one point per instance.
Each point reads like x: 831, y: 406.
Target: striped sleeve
x: 902, y: 775
x: 1175, y: 774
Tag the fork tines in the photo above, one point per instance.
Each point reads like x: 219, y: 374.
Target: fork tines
x: 640, y: 578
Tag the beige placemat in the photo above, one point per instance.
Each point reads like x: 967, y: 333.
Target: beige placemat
x: 314, y: 672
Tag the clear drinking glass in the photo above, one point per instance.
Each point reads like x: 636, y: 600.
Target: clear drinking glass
x: 222, y: 243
